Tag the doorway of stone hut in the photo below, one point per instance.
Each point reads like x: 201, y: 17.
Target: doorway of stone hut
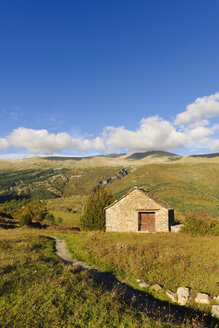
x: 146, y: 221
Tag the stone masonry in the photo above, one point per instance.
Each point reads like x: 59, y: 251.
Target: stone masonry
x: 123, y: 215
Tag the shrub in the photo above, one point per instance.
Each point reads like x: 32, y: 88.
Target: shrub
x: 93, y: 217
x: 49, y: 218
x: 26, y: 217
x: 200, y: 223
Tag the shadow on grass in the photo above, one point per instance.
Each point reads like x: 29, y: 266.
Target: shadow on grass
x: 166, y: 311
x: 6, y: 223
x: 7, y: 197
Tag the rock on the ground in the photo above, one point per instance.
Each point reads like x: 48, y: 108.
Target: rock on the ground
x: 171, y: 295
x: 216, y: 298
x: 144, y: 284
x: 176, y: 228
x: 202, y: 298
x: 215, y: 311
x: 138, y: 280
x: 183, y: 295
x: 156, y: 287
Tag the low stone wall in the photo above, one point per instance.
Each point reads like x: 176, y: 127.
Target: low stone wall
x: 183, y: 296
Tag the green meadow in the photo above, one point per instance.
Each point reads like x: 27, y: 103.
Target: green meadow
x: 38, y: 290
x: 169, y: 259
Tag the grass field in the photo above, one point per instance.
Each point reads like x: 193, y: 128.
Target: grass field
x: 68, y: 218
x: 171, y: 260
x: 38, y: 290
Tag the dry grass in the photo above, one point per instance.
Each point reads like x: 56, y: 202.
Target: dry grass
x: 172, y: 260
x: 37, y: 290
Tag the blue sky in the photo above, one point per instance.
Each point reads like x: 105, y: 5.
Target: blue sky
x: 89, y: 77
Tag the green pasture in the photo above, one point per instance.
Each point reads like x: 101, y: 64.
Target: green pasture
x: 38, y: 290
x: 68, y: 218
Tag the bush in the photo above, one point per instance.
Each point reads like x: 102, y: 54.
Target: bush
x: 49, y: 218
x: 93, y: 217
x: 200, y: 223
x: 26, y: 217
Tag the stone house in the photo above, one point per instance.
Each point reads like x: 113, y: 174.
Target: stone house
x: 139, y: 211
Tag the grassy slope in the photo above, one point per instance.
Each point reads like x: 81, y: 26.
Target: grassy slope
x: 185, y: 186
x: 172, y: 260
x: 188, y: 184
x: 37, y: 290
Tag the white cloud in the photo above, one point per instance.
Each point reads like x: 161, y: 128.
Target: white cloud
x: 191, y: 128
x: 197, y: 133
x: 39, y: 141
x: 3, y: 144
x: 153, y: 133
x: 202, y: 108
x: 81, y: 145
x: 43, y: 142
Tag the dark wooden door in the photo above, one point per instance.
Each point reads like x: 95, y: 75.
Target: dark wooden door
x: 147, y: 221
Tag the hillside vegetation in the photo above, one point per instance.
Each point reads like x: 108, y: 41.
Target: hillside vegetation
x: 186, y: 183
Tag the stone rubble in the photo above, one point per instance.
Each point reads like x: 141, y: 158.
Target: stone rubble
x: 144, y: 284
x: 183, y: 295
x: 202, y: 298
x: 176, y: 228
x: 216, y: 298
x: 156, y: 287
x: 171, y: 295
x: 215, y: 311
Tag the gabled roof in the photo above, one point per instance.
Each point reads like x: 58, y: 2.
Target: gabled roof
x: 149, y: 195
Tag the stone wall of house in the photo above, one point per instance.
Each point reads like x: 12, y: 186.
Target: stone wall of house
x: 123, y: 215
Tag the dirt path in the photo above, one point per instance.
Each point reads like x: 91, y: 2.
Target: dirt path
x: 62, y: 252
x: 143, y: 301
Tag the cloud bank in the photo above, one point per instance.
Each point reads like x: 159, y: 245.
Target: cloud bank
x: 191, y: 128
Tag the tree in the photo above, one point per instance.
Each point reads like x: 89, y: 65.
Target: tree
x: 38, y: 209
x: 93, y: 217
x: 26, y: 217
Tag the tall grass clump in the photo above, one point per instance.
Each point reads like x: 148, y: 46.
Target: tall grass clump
x: 201, y: 224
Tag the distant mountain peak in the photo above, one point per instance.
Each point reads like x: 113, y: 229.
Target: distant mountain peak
x: 153, y: 153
